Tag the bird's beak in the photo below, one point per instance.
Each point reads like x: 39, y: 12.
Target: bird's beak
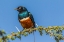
x: 15, y: 9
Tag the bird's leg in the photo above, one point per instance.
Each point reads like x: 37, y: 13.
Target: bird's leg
x: 23, y: 29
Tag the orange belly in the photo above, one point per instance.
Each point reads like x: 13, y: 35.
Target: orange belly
x: 26, y: 23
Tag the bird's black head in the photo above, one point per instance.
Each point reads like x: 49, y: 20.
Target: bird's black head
x: 21, y: 9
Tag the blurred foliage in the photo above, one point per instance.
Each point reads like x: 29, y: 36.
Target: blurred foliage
x: 53, y: 31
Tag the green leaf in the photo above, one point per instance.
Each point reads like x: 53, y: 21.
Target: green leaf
x: 3, y: 31
x: 0, y: 40
x: 12, y: 38
x: 19, y: 37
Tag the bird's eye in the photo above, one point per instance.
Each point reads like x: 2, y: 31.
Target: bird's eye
x: 23, y: 8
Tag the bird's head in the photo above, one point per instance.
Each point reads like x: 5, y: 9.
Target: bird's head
x: 21, y: 9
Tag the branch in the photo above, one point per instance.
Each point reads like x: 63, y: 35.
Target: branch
x: 53, y: 31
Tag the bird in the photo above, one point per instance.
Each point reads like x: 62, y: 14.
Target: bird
x: 25, y: 18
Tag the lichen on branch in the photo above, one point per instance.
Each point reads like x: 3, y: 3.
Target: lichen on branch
x: 53, y: 31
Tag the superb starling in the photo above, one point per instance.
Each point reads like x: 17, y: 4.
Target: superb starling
x: 25, y: 18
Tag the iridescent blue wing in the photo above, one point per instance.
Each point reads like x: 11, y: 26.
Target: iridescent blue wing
x: 32, y: 19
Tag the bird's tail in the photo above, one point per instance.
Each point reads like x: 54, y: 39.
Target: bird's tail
x: 36, y: 25
x: 34, y: 36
